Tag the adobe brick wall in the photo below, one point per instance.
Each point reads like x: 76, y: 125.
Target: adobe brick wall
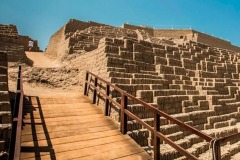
x: 5, y: 108
x: 8, y: 31
x: 188, y: 85
x: 73, y: 25
x: 55, y: 42
x: 214, y: 41
x: 23, y: 40
x: 58, y: 44
x: 14, y: 44
x: 77, y: 36
x: 14, y: 52
x: 196, y: 36
x: 149, y: 30
x: 172, y: 33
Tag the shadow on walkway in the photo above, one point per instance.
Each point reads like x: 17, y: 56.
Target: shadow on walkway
x: 29, y: 108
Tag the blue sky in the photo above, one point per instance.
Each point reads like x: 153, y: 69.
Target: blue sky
x: 41, y: 18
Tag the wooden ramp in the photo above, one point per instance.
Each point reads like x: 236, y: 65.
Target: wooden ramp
x: 68, y: 126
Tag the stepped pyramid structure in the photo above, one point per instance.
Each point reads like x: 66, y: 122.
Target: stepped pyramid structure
x: 189, y: 75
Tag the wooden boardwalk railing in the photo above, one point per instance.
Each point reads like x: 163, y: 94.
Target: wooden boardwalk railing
x: 124, y: 113
x: 15, y: 142
x: 217, y: 144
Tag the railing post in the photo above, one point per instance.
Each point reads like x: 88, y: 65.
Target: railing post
x: 156, y: 139
x: 19, y: 71
x: 107, y: 100
x: 123, y: 115
x: 86, y: 84
x: 216, y: 150
x: 95, y: 90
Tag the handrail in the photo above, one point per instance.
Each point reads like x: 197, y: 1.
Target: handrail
x: 15, y: 142
x: 217, y: 144
x: 157, y: 113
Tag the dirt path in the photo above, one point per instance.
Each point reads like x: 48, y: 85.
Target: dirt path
x: 41, y: 60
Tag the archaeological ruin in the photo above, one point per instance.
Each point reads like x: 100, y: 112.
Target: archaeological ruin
x: 189, y: 75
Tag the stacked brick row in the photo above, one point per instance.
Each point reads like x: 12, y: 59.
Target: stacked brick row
x: 195, y: 83
x: 5, y: 108
x: 88, y: 39
x: 8, y: 33
x: 13, y: 44
x: 14, y: 52
x: 23, y: 40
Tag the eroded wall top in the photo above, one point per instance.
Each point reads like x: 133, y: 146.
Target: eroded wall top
x: 78, y: 37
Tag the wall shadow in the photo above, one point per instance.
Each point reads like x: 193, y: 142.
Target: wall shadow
x: 32, y: 104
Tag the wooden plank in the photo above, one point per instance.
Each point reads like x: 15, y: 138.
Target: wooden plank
x: 61, y: 106
x: 83, y: 151
x: 57, y: 119
x: 62, y: 114
x: 83, y: 144
x: 39, y: 128
x: 65, y: 128
x: 56, y: 123
x: 114, y: 154
x: 66, y: 133
x: 83, y: 132
x: 69, y: 139
x: 45, y: 101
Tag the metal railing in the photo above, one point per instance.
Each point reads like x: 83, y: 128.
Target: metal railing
x: 17, y: 114
x: 124, y: 113
x: 217, y: 144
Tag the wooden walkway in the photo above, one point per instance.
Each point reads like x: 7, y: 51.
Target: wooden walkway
x: 68, y: 126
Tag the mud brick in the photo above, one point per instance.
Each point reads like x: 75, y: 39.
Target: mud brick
x: 3, y: 57
x: 3, y: 78
x: 5, y: 106
x: 221, y: 124
x: 126, y: 55
x: 159, y: 52
x: 128, y: 44
x: 118, y: 42
x: 131, y: 68
x: 145, y: 95
x: 160, y: 60
x: 187, y: 103
x: 145, y: 43
x: 120, y: 80
x: 232, y: 122
x: 4, y: 86
x: 156, y: 86
x: 111, y: 49
x: 174, y: 62
x: 5, y: 117
x: 139, y: 48
x: 203, y: 104
x: 3, y: 70
x: 2, y: 145
x: 4, y: 96
x: 179, y: 71
x: 166, y: 69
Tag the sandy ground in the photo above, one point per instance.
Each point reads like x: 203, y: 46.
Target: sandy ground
x: 33, y: 89
x: 41, y: 60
